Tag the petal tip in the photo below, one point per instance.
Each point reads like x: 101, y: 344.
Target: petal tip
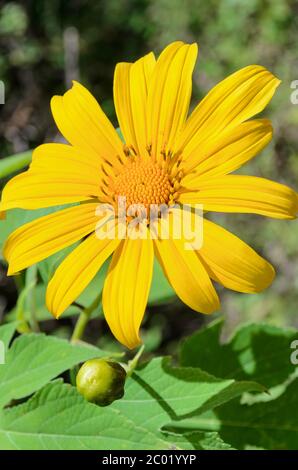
x: 268, y: 278
x: 133, y: 344
x: 55, y: 312
x: 12, y: 270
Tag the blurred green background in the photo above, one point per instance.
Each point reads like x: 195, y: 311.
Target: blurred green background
x: 45, y: 44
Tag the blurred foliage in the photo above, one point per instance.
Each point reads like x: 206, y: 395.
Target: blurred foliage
x: 38, y: 59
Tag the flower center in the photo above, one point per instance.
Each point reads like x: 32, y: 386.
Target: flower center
x: 143, y: 182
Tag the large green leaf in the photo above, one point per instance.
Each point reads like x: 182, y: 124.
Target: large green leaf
x: 158, y: 401
x: 270, y: 425
x: 198, y: 440
x: 159, y: 393
x: 257, y: 352
x: 34, y: 359
x: 6, y: 333
x: 57, y: 417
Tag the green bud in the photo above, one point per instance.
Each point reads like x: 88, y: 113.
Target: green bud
x: 101, y: 381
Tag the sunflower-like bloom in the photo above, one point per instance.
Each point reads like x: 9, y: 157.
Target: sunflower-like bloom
x: 168, y: 158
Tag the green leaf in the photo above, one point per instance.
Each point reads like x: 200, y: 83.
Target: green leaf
x: 158, y: 393
x: 257, y: 352
x: 34, y: 359
x: 270, y: 425
x: 197, y: 440
x: 57, y: 417
x: 7, y: 332
x: 14, y: 163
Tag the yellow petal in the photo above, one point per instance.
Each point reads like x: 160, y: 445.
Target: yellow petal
x: 131, y: 82
x: 126, y: 289
x: 229, y: 151
x: 234, y: 100
x: 77, y: 271
x: 35, y: 190
x: 82, y: 122
x: 232, y: 263
x: 244, y: 194
x: 41, y: 238
x: 65, y: 158
x: 169, y: 95
x: 186, y: 273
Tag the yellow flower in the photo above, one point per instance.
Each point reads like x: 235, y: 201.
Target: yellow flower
x: 167, y: 158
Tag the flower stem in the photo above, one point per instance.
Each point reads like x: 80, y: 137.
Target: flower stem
x: 31, y: 280
x: 22, y: 326
x: 83, y: 319
x: 19, y: 282
x: 134, y: 361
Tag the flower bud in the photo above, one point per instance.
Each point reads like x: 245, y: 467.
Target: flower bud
x: 101, y: 381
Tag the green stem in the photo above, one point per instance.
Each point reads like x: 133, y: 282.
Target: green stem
x: 14, y: 163
x: 19, y: 282
x: 31, y: 280
x: 84, y: 318
x: 23, y: 326
x: 134, y: 361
